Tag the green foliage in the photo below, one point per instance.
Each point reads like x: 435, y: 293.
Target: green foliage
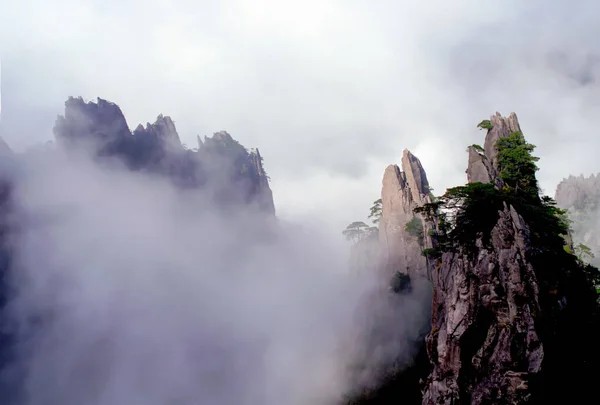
x: 584, y: 252
x: 372, y: 232
x: 414, y: 227
x: 430, y: 210
x: 485, y: 124
x: 478, y: 148
x: 356, y: 231
x: 400, y: 283
x: 465, y: 213
x: 474, y: 212
x: 517, y: 165
x: 375, y: 213
x: 359, y: 231
x: 429, y: 191
x: 431, y: 253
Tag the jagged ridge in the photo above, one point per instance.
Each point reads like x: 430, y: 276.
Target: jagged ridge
x: 507, y: 297
x: 220, y: 162
x: 503, y: 308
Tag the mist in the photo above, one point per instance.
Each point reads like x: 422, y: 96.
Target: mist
x: 330, y: 91
x: 128, y: 290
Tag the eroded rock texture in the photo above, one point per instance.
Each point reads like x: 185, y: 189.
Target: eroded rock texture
x: 483, y: 165
x: 402, y: 191
x: 484, y: 344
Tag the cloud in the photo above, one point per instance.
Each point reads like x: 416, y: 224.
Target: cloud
x: 127, y: 290
x: 329, y: 89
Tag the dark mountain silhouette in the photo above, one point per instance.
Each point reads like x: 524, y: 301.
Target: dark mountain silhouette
x: 221, y: 168
x: 233, y: 173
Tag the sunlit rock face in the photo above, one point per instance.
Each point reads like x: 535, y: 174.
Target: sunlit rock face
x: 403, y: 190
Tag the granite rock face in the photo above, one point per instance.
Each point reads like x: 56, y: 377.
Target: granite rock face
x: 484, y: 344
x: 483, y: 164
x: 403, y: 234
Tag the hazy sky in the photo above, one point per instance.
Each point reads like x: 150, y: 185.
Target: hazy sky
x: 331, y: 91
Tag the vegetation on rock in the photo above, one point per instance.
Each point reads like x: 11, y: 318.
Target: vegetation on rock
x: 478, y: 148
x: 414, y: 227
x: 568, y: 285
x: 356, y: 231
x: 517, y: 165
x: 359, y: 231
x: 485, y: 124
x: 375, y: 214
x: 401, y: 283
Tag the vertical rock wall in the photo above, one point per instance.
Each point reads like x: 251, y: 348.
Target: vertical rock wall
x: 403, y: 191
x: 484, y: 345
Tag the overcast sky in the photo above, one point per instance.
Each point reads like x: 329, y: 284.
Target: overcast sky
x: 331, y: 91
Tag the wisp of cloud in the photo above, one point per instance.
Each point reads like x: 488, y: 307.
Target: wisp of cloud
x: 127, y: 291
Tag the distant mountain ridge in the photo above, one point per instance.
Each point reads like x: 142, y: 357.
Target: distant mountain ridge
x: 220, y: 162
x: 580, y: 195
x: 233, y: 177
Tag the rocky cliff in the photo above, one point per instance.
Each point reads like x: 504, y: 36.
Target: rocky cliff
x: 580, y: 196
x: 506, y: 295
x: 484, y: 342
x: 483, y: 162
x: 579, y: 192
x: 232, y: 173
x: 403, y: 234
x: 221, y: 168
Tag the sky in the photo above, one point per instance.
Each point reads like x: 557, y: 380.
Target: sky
x: 330, y: 91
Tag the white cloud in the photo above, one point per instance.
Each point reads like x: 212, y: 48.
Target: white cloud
x: 326, y: 89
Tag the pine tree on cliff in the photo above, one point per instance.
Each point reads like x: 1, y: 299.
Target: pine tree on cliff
x: 515, y: 312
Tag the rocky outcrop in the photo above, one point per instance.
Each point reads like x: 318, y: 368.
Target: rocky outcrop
x: 162, y: 130
x: 221, y: 169
x: 512, y: 310
x: 225, y: 161
x: 484, y: 345
x: 231, y: 173
x: 483, y: 163
x: 99, y: 125
x: 578, y: 192
x: 403, y: 234
x: 581, y: 196
x: 478, y: 170
x: 504, y: 309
